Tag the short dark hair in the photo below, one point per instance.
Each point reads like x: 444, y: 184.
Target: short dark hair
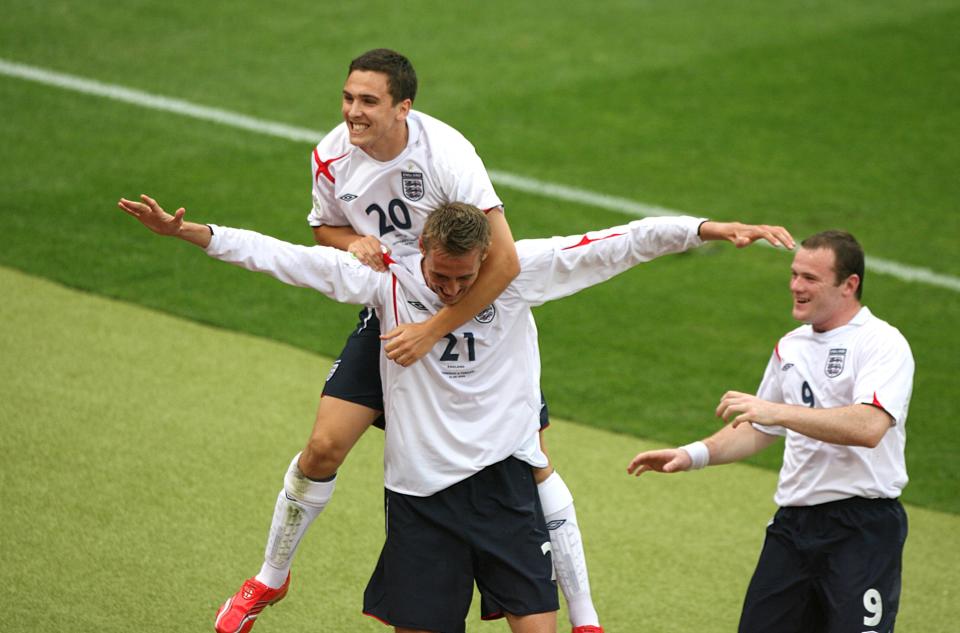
x: 401, y: 77
x: 848, y: 254
x: 456, y: 228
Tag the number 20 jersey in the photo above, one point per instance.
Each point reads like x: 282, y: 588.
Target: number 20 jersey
x: 391, y: 200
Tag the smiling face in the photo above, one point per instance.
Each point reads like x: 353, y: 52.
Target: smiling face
x: 818, y: 297
x: 376, y: 124
x: 450, y: 276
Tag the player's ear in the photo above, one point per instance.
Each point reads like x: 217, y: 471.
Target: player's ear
x: 403, y: 109
x: 423, y: 251
x: 850, y: 285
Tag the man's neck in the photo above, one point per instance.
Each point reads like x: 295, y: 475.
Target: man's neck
x: 839, y: 319
x: 392, y: 148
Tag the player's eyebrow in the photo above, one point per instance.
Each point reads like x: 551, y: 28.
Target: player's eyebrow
x: 367, y: 96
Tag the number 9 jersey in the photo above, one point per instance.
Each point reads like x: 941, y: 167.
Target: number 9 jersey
x: 867, y: 361
x: 391, y: 200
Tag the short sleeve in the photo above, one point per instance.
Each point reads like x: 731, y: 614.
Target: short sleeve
x: 884, y: 375
x: 326, y: 210
x: 465, y: 178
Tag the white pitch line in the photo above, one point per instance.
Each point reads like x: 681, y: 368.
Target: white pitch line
x: 157, y: 102
x: 550, y: 190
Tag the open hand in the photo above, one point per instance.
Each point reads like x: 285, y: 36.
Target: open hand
x: 152, y: 216
x: 741, y: 235
x: 667, y: 460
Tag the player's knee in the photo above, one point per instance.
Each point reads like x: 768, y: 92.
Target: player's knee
x: 322, y: 456
x: 302, y: 494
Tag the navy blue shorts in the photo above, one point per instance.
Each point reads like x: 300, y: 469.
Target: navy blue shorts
x: 828, y: 568
x: 355, y: 375
x: 488, y: 529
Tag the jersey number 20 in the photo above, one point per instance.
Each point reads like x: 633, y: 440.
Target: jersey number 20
x: 397, y: 216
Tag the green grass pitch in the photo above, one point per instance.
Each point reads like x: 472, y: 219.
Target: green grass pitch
x: 811, y: 114
x: 143, y: 454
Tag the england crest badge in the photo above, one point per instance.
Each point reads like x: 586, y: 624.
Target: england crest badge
x: 486, y: 315
x: 835, y: 361
x: 412, y: 182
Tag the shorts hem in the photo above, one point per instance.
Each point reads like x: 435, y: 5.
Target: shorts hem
x: 377, y: 618
x: 496, y: 615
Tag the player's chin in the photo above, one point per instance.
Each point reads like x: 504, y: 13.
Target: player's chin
x: 360, y: 138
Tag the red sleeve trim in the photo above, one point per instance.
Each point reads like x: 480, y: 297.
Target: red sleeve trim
x: 396, y: 314
x: 589, y: 240
x: 323, y: 167
x: 776, y: 350
x: 499, y: 206
x: 876, y: 402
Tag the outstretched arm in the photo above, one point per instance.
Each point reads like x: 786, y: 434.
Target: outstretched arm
x: 561, y: 266
x: 327, y: 270
x: 408, y: 342
x: 152, y: 216
x: 729, y: 444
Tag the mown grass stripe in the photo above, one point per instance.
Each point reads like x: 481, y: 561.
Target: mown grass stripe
x: 170, y: 438
x: 555, y: 191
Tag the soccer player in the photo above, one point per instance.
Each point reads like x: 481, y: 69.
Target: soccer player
x: 463, y: 423
x: 375, y: 178
x: 838, y: 388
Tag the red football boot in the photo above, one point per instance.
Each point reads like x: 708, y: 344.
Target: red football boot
x: 240, y: 611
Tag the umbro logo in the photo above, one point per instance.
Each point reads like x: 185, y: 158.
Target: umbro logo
x: 347, y: 197
x: 553, y: 525
x: 787, y: 367
x: 333, y: 369
x: 418, y: 305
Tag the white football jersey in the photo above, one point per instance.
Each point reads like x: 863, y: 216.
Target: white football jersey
x: 391, y: 200
x: 475, y: 399
x: 866, y: 361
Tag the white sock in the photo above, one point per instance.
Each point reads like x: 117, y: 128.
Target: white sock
x: 298, y: 504
x: 567, y: 550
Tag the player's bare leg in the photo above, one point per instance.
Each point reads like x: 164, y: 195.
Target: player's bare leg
x: 566, y: 544
x: 338, y: 427
x: 307, y: 487
x: 533, y: 623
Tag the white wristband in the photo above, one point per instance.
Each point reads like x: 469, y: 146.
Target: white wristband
x: 699, y: 454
